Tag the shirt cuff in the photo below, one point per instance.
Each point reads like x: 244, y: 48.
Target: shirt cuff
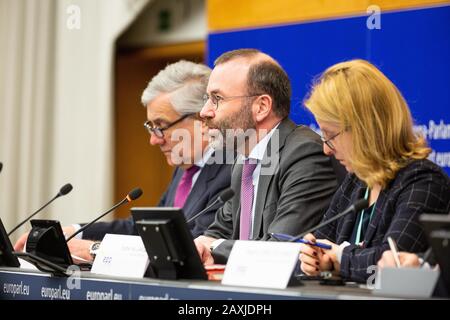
x: 340, y: 250
x: 216, y: 243
x: 77, y: 227
x: 424, y: 264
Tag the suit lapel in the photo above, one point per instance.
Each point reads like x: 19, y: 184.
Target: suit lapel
x: 199, y: 189
x: 373, y: 224
x: 236, y: 178
x: 348, y: 222
x: 269, y: 167
x: 173, y: 187
x: 261, y: 197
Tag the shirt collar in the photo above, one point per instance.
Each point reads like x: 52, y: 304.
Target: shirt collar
x: 259, y: 150
x: 206, y: 155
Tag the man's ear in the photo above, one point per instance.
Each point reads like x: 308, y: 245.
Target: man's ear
x: 262, y: 107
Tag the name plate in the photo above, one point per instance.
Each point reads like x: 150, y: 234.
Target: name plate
x: 264, y: 264
x: 405, y: 282
x: 121, y: 256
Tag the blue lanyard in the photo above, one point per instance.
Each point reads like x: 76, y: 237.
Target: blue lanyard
x: 358, y: 232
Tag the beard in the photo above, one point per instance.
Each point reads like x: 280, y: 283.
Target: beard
x: 234, y: 130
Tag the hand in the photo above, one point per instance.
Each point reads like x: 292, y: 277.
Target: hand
x: 203, y: 245
x: 313, y: 259
x: 410, y: 260
x: 406, y: 260
x: 80, y: 248
x: 332, y: 254
x: 20, y: 244
x: 68, y: 231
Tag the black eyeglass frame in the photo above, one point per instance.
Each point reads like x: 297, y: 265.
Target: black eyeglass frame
x: 328, y: 141
x: 215, y: 100
x: 159, y: 132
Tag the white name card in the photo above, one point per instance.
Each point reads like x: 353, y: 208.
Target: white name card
x: 406, y: 282
x: 121, y: 256
x: 265, y: 264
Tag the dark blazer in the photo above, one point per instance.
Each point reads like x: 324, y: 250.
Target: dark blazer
x: 290, y: 200
x: 213, y: 179
x: 420, y: 187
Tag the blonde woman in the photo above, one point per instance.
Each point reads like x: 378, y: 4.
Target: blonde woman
x: 366, y: 124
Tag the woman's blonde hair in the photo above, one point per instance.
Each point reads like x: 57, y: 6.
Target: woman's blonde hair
x: 358, y: 97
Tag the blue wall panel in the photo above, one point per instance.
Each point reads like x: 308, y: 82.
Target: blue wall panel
x: 412, y: 48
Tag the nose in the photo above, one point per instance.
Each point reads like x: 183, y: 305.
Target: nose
x: 154, y: 140
x: 207, y: 111
x: 327, y: 150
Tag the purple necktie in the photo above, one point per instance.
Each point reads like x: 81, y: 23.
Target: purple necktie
x: 247, y: 191
x: 184, y: 187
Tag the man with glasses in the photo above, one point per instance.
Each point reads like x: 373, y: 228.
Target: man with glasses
x: 282, y: 179
x: 173, y: 99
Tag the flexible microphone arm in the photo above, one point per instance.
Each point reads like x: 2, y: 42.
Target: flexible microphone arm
x: 96, y: 219
x: 133, y: 195
x: 358, y: 205
x: 65, y: 189
x: 224, y: 196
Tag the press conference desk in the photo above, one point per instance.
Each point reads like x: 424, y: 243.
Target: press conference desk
x: 21, y: 284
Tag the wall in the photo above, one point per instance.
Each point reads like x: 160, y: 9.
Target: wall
x: 412, y: 48
x: 167, y: 22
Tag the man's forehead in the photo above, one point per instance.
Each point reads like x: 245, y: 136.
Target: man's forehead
x: 161, y: 108
x: 242, y: 64
x: 229, y: 74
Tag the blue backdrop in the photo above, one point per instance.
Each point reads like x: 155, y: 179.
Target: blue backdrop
x: 412, y: 48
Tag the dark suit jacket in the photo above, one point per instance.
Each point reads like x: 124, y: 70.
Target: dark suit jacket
x: 290, y: 200
x: 420, y: 187
x: 213, y: 179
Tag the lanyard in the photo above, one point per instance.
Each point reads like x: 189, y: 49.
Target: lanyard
x: 358, y: 232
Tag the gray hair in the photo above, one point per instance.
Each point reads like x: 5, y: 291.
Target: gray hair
x: 186, y: 83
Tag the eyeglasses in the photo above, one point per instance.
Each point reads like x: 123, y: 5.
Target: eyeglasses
x: 159, y: 132
x: 215, y: 99
x: 328, y: 141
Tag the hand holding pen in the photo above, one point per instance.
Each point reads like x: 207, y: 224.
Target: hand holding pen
x: 286, y: 237
x: 393, y: 247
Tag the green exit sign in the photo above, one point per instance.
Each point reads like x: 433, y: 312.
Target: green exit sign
x: 164, y: 18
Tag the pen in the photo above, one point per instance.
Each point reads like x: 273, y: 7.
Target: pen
x: 286, y: 237
x: 394, y: 250
x: 426, y: 256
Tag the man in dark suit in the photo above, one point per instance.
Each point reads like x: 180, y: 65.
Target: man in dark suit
x: 211, y: 180
x: 173, y: 99
x: 282, y: 180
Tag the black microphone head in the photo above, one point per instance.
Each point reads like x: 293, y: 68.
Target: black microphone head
x: 1, y: 166
x: 134, y: 194
x: 226, y: 195
x: 361, y: 204
x: 65, y: 189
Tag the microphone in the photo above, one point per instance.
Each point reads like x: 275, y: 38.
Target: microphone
x: 132, y: 195
x: 65, y: 189
x: 357, y: 206
x: 224, y: 196
x: 1, y: 166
